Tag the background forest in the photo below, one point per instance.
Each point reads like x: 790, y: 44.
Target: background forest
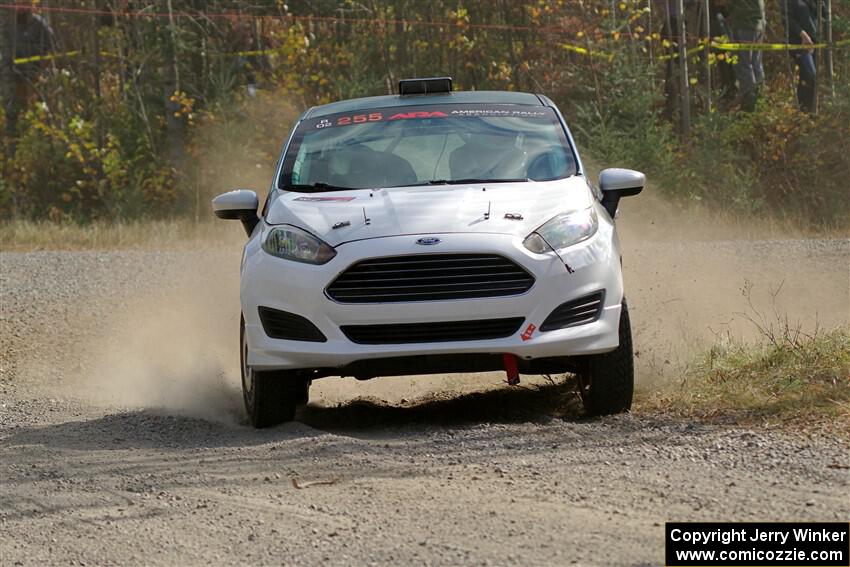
x: 120, y: 110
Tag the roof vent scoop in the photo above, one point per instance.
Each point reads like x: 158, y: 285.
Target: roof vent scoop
x: 434, y: 85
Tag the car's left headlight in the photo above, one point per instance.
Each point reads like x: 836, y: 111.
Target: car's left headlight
x: 299, y: 245
x: 563, y: 230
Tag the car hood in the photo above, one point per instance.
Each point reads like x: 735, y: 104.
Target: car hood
x: 514, y: 208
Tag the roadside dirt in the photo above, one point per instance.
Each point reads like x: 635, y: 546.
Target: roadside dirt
x: 122, y: 439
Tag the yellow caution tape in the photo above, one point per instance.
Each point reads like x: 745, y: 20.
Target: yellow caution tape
x: 731, y: 46
x: 588, y: 52
x: 721, y: 46
x: 256, y: 52
x: 692, y: 51
x: 567, y: 46
x: 48, y: 57
x: 726, y: 46
x: 51, y: 56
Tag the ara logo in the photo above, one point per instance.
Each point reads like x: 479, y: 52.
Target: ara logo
x: 421, y: 114
x: 430, y: 241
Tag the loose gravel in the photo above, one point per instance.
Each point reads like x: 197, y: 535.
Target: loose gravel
x: 122, y: 440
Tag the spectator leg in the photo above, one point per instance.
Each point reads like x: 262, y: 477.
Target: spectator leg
x: 758, y: 67
x: 806, y: 84
x: 745, y: 70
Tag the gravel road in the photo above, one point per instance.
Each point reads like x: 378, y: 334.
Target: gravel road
x: 122, y: 440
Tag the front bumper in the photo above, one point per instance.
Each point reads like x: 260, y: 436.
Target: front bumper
x: 299, y: 288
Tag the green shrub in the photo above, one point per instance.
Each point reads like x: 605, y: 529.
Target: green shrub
x: 621, y: 123
x: 775, y: 161
x: 78, y: 162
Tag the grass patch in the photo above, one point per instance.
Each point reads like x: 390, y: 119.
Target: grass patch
x: 789, y: 377
x: 25, y: 236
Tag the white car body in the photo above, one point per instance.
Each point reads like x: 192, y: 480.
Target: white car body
x: 353, y: 270
x: 398, y: 218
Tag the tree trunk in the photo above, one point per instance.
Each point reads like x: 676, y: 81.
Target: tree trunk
x: 174, y: 128
x: 684, y: 83
x: 7, y: 94
x: 402, y: 64
x: 707, y: 55
x: 830, y: 69
x: 818, y: 57
x: 8, y: 78
x: 506, y: 20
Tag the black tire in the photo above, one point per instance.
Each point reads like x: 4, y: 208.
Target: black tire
x: 270, y: 396
x: 607, y: 381
x: 303, y: 397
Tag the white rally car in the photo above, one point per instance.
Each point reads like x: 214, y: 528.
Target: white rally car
x: 432, y: 232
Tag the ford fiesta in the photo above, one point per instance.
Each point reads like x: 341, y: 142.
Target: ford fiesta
x: 432, y: 232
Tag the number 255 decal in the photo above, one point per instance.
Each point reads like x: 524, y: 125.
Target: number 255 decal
x: 359, y: 119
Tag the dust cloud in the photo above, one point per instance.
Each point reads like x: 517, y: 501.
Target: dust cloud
x: 177, y: 351
x: 173, y: 346
x: 169, y: 342
x: 694, y: 278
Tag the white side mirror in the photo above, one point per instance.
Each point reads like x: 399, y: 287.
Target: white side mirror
x: 617, y: 183
x: 238, y: 205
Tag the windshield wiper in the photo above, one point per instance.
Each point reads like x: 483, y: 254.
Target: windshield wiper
x: 472, y: 181
x: 316, y: 187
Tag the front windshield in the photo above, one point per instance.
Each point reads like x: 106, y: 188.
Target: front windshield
x: 437, y: 144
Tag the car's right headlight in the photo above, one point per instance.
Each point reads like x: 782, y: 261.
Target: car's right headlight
x: 563, y: 230
x: 298, y: 245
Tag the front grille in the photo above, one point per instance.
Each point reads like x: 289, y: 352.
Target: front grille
x: 478, y: 330
x: 289, y: 326
x: 429, y: 277
x: 576, y: 312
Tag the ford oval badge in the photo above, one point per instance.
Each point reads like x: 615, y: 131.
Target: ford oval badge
x: 428, y: 241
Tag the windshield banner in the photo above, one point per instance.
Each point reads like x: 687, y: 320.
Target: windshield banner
x: 428, y: 112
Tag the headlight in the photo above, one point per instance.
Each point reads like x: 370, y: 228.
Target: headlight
x: 298, y: 245
x: 562, y: 231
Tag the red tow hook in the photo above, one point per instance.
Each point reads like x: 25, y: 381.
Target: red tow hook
x: 511, y: 368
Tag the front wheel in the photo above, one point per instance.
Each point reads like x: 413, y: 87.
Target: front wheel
x: 270, y: 396
x: 607, y: 381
